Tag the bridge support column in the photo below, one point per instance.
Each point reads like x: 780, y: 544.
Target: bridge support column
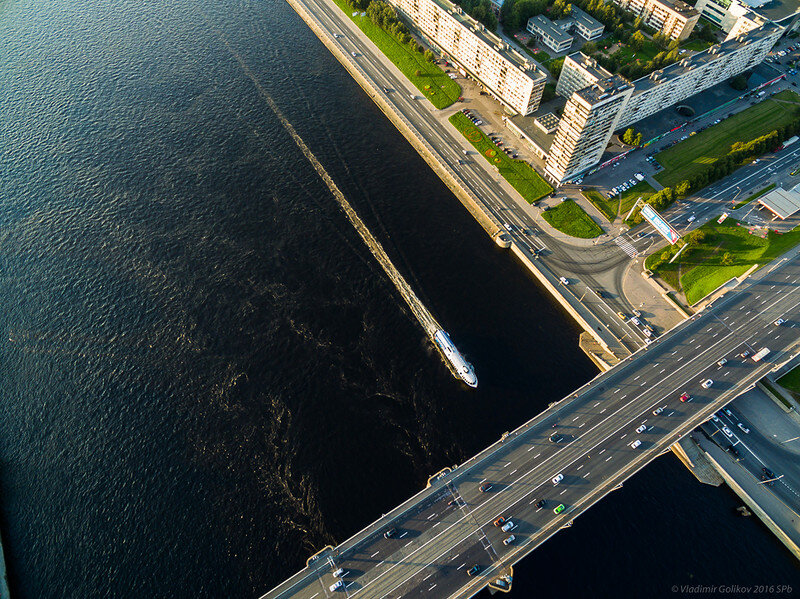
x: 503, y: 582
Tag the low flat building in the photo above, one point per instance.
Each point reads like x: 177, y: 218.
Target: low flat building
x: 510, y: 77
x: 783, y: 203
x: 674, y: 18
x: 585, y: 25
x: 551, y: 35
x: 579, y: 71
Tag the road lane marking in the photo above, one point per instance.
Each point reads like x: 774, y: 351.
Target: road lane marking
x: 427, y: 577
x: 513, y: 471
x: 431, y: 516
x: 374, y: 554
x: 402, y: 535
x: 461, y: 566
x: 407, y: 544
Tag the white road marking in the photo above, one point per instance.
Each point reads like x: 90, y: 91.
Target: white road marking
x: 402, y: 535
x: 374, y: 554
x: 407, y: 544
x: 513, y: 471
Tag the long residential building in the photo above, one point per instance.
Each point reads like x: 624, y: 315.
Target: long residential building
x: 552, y: 36
x: 510, y: 77
x: 579, y: 71
x: 594, y: 112
x: 673, y: 18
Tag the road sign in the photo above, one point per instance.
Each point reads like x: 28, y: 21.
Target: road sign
x: 660, y: 225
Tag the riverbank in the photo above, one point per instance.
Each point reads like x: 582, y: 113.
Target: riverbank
x: 478, y: 208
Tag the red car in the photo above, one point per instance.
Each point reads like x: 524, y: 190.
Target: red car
x: 686, y: 397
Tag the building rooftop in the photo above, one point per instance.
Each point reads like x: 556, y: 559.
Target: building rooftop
x: 550, y: 29
x: 584, y: 19
x: 490, y: 39
x: 603, y: 89
x: 777, y: 10
x: 695, y: 60
x: 680, y: 7
x: 782, y: 202
x: 547, y: 122
x: 590, y: 65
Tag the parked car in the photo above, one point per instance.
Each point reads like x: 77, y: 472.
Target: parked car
x: 509, y: 540
x: 390, y: 533
x: 685, y: 397
x: 706, y: 383
x: 636, y: 444
x: 641, y: 428
x: 559, y: 508
x: 486, y: 487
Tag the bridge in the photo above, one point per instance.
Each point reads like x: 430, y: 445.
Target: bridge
x: 606, y: 431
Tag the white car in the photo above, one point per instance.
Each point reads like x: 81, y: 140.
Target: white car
x: 641, y: 429
x: 564, y: 280
x: 722, y: 362
x: 636, y: 444
x: 727, y: 431
x: 657, y: 411
x: 354, y: 54
x: 507, y: 526
x: 779, y: 322
x: 743, y: 428
x: 714, y: 418
x: 558, y: 479
x: 336, y: 585
x: 634, y: 320
x: 636, y: 313
x: 509, y: 540
x: 706, y: 383
x: 691, y: 219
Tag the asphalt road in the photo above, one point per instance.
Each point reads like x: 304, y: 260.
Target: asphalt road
x: 450, y: 529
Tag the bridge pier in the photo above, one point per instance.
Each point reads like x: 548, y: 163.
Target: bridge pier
x: 503, y: 582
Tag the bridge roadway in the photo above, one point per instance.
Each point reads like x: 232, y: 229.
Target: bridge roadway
x: 447, y: 528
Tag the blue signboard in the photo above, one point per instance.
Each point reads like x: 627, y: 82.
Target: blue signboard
x: 660, y: 225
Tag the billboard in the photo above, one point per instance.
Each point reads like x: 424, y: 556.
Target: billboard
x: 660, y: 225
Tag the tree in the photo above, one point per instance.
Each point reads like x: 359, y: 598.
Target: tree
x: 682, y: 189
x: 628, y: 136
x: 589, y: 48
x: 727, y: 259
x: 738, y: 83
x: 637, y: 40
x: 429, y: 56
x: 637, y: 141
x: 417, y: 73
x: 556, y: 66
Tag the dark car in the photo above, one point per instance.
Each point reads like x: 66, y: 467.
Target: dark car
x: 768, y: 472
x: 766, y: 480
x: 390, y: 533
x: 541, y: 503
x: 486, y: 487
x: 473, y: 570
x: 556, y: 438
x: 733, y: 451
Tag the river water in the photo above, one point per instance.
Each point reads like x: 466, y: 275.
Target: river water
x: 206, y: 376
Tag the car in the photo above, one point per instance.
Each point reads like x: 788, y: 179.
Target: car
x: 558, y: 479
x: 714, y: 418
x: 768, y: 472
x: 336, y: 586
x: 722, y: 362
x: 390, y: 533
x: 500, y: 521
x: 779, y: 322
x: 559, y: 508
x: 564, y: 280
x: 556, y: 438
x: 745, y: 353
x: 621, y: 315
x: 728, y: 412
x: 706, y: 383
x: 727, y: 431
x: 509, y: 540
x: 541, y: 503
x: 636, y: 444
x: 685, y: 397
x: 386, y: 89
x: 634, y: 320
x: 641, y: 429
x: 657, y: 411
x: 636, y: 313
x: 508, y: 227
x: 691, y: 219
x: 340, y: 573
x: 354, y: 53
x: 507, y: 526
x: 647, y: 332
x: 486, y: 487
x: 743, y: 428
x: 766, y: 480
x: 473, y: 570
x: 732, y: 450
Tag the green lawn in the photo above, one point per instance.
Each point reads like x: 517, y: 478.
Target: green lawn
x: 571, y: 219
x: 518, y: 173
x: 641, y: 190
x: 646, y: 54
x: 432, y: 81
x: 758, y: 194
x: 696, y: 45
x: 700, y: 271
x: 605, y: 205
x: 686, y: 159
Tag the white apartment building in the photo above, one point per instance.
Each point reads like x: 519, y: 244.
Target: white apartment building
x: 700, y: 71
x: 609, y: 103
x: 585, y: 25
x: 746, y: 22
x: 509, y: 76
x: 726, y: 13
x: 579, y: 71
x: 589, y: 118
x: 673, y: 18
x: 551, y: 34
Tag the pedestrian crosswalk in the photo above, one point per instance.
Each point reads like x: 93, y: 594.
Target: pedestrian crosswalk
x: 626, y: 246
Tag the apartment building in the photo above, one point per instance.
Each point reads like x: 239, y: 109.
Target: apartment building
x: 673, y: 18
x: 579, y: 71
x: 589, y: 118
x: 609, y: 103
x: 552, y: 36
x: 700, y: 71
x: 510, y: 77
x: 725, y: 13
x: 746, y: 22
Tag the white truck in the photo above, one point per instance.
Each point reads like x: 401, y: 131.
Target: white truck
x: 760, y: 355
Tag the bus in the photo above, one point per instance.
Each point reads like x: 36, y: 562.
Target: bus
x: 760, y: 355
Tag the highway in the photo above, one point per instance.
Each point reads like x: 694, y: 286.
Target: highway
x: 448, y: 529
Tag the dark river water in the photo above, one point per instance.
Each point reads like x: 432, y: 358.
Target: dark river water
x: 205, y: 374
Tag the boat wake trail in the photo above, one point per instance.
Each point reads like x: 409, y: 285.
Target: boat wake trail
x: 419, y: 310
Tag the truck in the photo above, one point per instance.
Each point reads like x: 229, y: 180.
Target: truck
x: 760, y: 354
x: 790, y: 141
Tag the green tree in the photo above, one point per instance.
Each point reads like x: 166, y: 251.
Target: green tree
x: 628, y: 136
x: 429, y: 56
x: 682, y: 189
x: 637, y: 141
x: 589, y: 48
x: 727, y: 259
x: 637, y: 41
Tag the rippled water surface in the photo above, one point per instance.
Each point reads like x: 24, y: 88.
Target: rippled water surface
x: 205, y: 374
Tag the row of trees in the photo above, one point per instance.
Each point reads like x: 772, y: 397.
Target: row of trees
x: 515, y: 13
x: 480, y: 10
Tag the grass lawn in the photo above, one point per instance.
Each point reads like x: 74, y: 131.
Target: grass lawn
x: 518, y: 173
x: 758, y: 194
x: 605, y: 205
x: 646, y: 54
x: 696, y: 45
x: 571, y: 219
x: 700, y: 271
x: 641, y: 190
x: 686, y: 159
x: 432, y: 81
x: 791, y: 380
